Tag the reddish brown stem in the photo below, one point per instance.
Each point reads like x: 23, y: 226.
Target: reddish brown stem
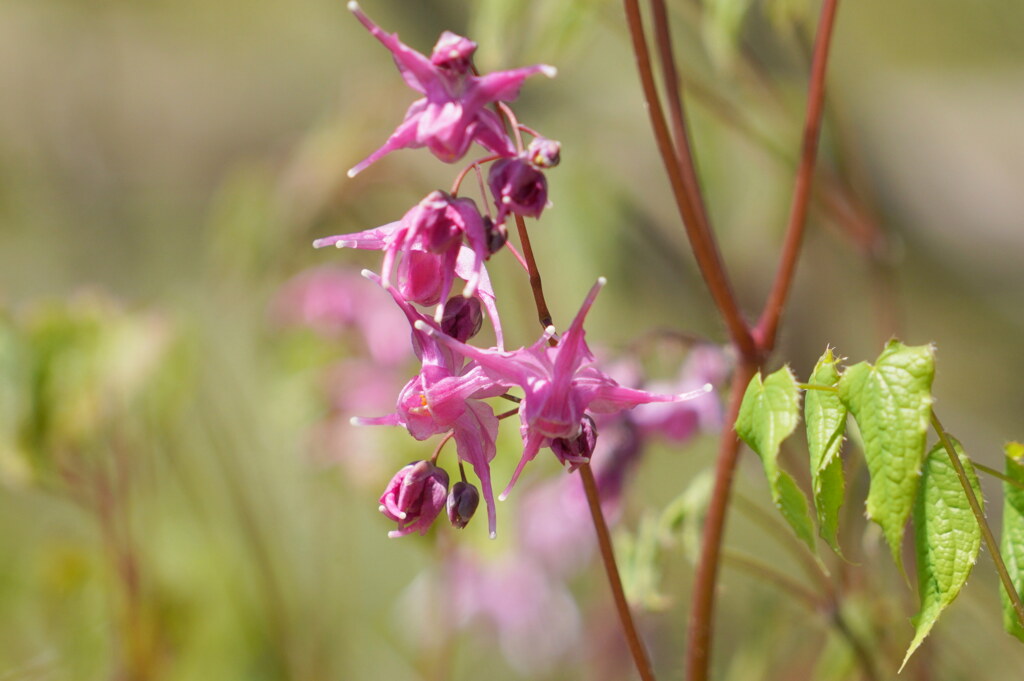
x: 677, y: 112
x: 768, y: 325
x: 702, y: 609
x: 535, y: 284
x: 604, y: 541
x: 705, y: 249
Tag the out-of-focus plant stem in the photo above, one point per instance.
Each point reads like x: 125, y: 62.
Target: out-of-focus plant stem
x: 767, y: 327
x: 702, y: 241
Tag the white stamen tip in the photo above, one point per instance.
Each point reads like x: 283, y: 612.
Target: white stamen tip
x: 601, y: 281
x: 352, y: 172
x: 708, y: 387
x: 453, y: 54
x: 381, y: 508
x: 550, y: 330
x: 506, y: 200
x: 367, y: 274
x: 549, y: 71
x: 503, y: 496
x: 421, y: 325
x: 493, y: 535
x: 354, y: 421
x: 353, y: 6
x: 402, y: 515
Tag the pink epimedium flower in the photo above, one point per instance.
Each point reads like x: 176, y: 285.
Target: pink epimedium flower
x: 414, y: 497
x: 447, y: 397
x: 559, y: 382
x: 429, y: 238
x: 452, y: 113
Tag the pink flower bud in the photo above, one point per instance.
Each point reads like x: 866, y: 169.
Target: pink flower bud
x: 462, y: 503
x: 576, y: 450
x: 518, y: 188
x: 414, y: 497
x: 462, y: 318
x: 544, y: 153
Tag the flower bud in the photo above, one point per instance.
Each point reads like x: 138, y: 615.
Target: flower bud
x: 497, y: 235
x: 414, y: 497
x: 453, y: 54
x: 518, y: 188
x: 544, y: 153
x: 462, y: 503
x: 462, y: 318
x: 576, y: 450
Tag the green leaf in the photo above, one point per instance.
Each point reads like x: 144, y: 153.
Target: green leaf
x: 825, y: 415
x: 768, y: 415
x: 946, y: 537
x: 684, y: 515
x: 1012, y: 544
x: 892, y: 402
x: 639, y: 558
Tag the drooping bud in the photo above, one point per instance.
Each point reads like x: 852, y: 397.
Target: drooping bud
x: 544, y: 153
x: 576, y: 450
x: 518, y: 188
x: 497, y: 235
x: 462, y: 503
x: 462, y: 318
x: 414, y: 497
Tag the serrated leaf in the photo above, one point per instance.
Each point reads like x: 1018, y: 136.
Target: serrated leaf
x: 892, y: 402
x: 946, y: 537
x: 1012, y: 541
x: 768, y: 415
x: 825, y: 416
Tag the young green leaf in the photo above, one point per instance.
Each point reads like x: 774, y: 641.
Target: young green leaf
x: 768, y: 415
x: 825, y: 415
x: 892, y: 402
x: 1012, y: 544
x: 946, y: 537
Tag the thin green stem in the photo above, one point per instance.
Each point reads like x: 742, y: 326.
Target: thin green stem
x: 767, y: 327
x: 986, y: 531
x: 996, y: 474
x: 813, y: 386
x: 604, y: 541
x: 763, y: 571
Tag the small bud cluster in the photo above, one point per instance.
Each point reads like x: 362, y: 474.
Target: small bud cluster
x: 446, y: 237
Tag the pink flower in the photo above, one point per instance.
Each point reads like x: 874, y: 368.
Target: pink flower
x: 414, y: 497
x: 452, y: 113
x: 447, y: 396
x: 559, y: 383
x: 429, y: 239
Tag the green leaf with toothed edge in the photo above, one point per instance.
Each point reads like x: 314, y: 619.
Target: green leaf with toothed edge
x: 768, y: 415
x: 946, y: 537
x: 892, y: 403
x: 825, y: 416
x: 1011, y: 544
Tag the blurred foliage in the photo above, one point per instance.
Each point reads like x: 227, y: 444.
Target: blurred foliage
x: 176, y: 500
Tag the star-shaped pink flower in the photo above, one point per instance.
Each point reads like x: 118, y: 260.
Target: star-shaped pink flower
x: 559, y: 382
x: 452, y: 112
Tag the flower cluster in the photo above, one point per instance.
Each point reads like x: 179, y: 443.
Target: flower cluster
x: 446, y: 237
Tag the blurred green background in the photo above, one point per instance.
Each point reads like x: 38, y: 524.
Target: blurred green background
x: 169, y: 505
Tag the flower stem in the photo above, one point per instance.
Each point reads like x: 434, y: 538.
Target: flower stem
x: 538, y: 289
x: 604, y: 541
x: 996, y: 474
x: 986, y: 531
x: 768, y: 325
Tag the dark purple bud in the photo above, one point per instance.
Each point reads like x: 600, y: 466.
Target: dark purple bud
x: 414, y: 497
x: 497, y: 235
x: 518, y: 188
x: 439, y: 223
x: 462, y: 318
x: 576, y: 450
x: 462, y: 503
x: 544, y: 153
